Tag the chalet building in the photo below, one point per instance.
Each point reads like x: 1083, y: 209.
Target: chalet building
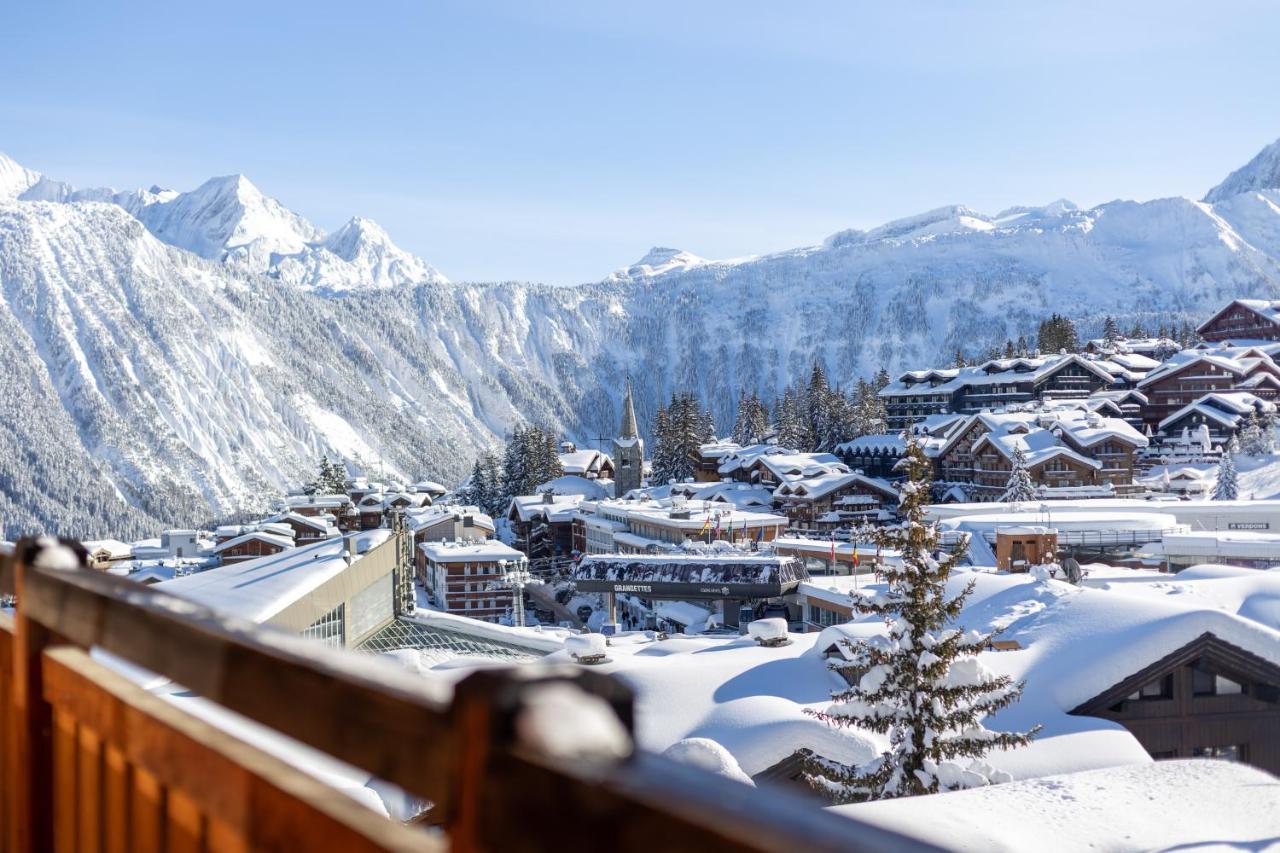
x: 1192, y: 374
x: 706, y: 467
x: 400, y: 501
x: 751, y: 497
x: 335, y: 505
x: 543, y: 524
x: 251, y: 545
x: 587, y: 464
x: 465, y: 578
x: 105, y: 553
x: 371, y: 510
x: 878, y: 455
x: 779, y: 465
x: 450, y: 524
x: 1065, y: 450
x: 1208, y: 699
x: 306, y: 529
x: 1156, y: 349
x: 648, y: 526
x: 1124, y: 403
x: 1224, y: 415
x: 430, y: 488
x: 832, y: 500
x: 995, y: 384
x: 1243, y: 320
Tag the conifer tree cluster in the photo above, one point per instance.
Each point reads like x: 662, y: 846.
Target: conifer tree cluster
x: 815, y: 417
x: 751, y: 426
x: 680, y: 429
x: 1257, y: 437
x: 922, y: 683
x: 531, y: 458
x: 485, y: 487
x: 1055, y: 334
x: 1021, y: 488
x: 331, y: 478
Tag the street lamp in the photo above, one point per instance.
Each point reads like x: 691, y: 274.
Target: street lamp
x: 516, y: 579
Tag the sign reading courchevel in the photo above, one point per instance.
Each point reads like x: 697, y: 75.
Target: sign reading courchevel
x: 690, y: 576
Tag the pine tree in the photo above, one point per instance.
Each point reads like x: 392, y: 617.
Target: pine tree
x: 959, y: 360
x: 922, y: 684
x: 681, y: 430
x: 1227, y: 487
x: 1252, y: 439
x: 743, y: 433
x: 1110, y: 331
x: 788, y: 423
x: 331, y: 478
x: 1023, y: 347
x: 817, y: 410
x: 1020, y: 488
x: 882, y: 379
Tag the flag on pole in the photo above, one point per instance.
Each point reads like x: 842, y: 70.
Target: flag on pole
x: 706, y: 525
x: 855, y: 555
x: 833, y: 552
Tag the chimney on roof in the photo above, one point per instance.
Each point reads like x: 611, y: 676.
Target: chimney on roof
x: 548, y: 497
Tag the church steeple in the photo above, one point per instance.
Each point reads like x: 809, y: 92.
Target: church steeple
x: 628, y: 450
x: 628, y: 428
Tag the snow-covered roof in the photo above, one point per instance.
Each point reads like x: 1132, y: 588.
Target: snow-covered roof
x: 994, y: 372
x: 490, y: 550
x: 113, y: 548
x: 694, y: 514
x: 1227, y: 408
x: 571, y: 484
x: 824, y: 484
x: 258, y: 589
x: 584, y: 462
x: 276, y: 539
x: 1058, y: 432
x: 557, y: 508
x: 433, y: 515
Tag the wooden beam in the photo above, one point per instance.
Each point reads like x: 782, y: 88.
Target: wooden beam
x: 193, y: 775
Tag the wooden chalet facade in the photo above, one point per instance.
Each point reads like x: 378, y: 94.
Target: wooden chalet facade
x: 1243, y: 319
x: 1208, y: 699
x: 1179, y: 385
x: 997, y: 383
x: 251, y: 546
x: 975, y: 458
x: 834, y: 500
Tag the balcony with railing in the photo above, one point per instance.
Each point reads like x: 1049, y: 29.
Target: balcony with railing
x: 92, y: 760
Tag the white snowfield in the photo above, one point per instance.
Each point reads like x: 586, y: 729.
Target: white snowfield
x: 171, y: 366
x: 1164, y: 805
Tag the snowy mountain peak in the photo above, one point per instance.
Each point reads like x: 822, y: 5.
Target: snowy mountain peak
x: 660, y: 260
x: 357, y: 234
x: 359, y: 255
x: 228, y: 218
x: 1260, y: 173
x: 15, y: 179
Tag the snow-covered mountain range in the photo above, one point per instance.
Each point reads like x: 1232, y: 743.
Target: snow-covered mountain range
x: 176, y: 357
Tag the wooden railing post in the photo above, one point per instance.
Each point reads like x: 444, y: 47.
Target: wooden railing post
x: 486, y: 708
x: 31, y: 760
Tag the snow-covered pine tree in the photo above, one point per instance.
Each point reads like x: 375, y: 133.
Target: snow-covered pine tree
x: 1228, y: 487
x: 788, y: 422
x: 1253, y: 438
x: 759, y: 419
x: 1110, y: 331
x: 922, y: 684
x: 1020, y: 488
x: 679, y: 434
x: 515, y: 465
x: 817, y: 409
x: 742, y: 426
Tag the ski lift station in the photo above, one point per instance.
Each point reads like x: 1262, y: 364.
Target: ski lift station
x: 732, y: 577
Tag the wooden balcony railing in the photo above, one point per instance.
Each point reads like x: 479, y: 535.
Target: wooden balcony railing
x: 91, y: 761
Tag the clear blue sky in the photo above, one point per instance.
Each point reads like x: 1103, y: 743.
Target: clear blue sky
x: 558, y: 141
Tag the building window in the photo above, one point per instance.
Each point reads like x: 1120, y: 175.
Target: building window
x: 328, y: 629
x: 1205, y: 682
x: 1231, y: 752
x: 1161, y: 688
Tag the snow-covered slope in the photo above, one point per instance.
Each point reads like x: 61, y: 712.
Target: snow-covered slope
x: 217, y: 364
